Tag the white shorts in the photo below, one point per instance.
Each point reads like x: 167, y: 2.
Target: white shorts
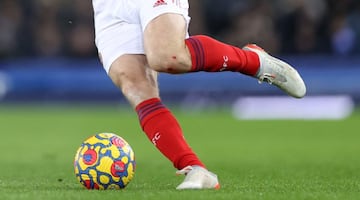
x: 119, y: 24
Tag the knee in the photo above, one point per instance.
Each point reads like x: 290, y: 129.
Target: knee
x: 169, y: 62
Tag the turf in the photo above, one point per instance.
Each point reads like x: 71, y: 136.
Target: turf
x: 254, y: 159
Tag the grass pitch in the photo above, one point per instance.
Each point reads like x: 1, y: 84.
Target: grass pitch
x: 253, y: 159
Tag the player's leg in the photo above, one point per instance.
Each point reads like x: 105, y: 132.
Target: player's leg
x: 138, y: 83
x: 166, y: 51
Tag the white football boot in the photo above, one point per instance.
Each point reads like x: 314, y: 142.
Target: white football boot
x: 197, y: 177
x: 276, y: 72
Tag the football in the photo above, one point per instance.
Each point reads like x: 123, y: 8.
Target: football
x: 104, y: 161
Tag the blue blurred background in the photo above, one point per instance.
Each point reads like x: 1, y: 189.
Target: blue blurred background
x: 47, y: 51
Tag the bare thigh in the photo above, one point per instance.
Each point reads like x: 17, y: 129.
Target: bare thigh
x: 135, y: 79
x: 164, y: 43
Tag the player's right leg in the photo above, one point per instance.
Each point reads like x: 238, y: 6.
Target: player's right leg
x: 168, y: 50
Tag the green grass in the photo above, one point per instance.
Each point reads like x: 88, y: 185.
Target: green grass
x: 253, y: 159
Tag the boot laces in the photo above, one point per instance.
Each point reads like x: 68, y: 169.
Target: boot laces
x: 184, y: 171
x: 267, y: 77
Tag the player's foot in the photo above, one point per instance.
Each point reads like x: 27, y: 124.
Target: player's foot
x: 197, y: 178
x: 277, y: 72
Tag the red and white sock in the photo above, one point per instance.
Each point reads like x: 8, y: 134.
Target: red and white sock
x: 208, y: 54
x: 165, y: 133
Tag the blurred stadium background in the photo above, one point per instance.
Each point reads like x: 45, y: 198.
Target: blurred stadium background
x: 47, y: 52
x: 54, y: 93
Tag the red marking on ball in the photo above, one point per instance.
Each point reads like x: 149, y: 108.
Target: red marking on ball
x: 117, y: 167
x: 87, y: 184
x: 117, y: 142
x: 90, y: 157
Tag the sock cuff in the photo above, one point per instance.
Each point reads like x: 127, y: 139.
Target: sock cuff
x: 147, y: 102
x: 197, y: 53
x: 149, y: 108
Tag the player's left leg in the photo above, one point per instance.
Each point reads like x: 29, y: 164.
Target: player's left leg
x: 139, y: 85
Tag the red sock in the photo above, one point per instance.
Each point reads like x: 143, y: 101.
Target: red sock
x: 208, y: 54
x: 165, y: 133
